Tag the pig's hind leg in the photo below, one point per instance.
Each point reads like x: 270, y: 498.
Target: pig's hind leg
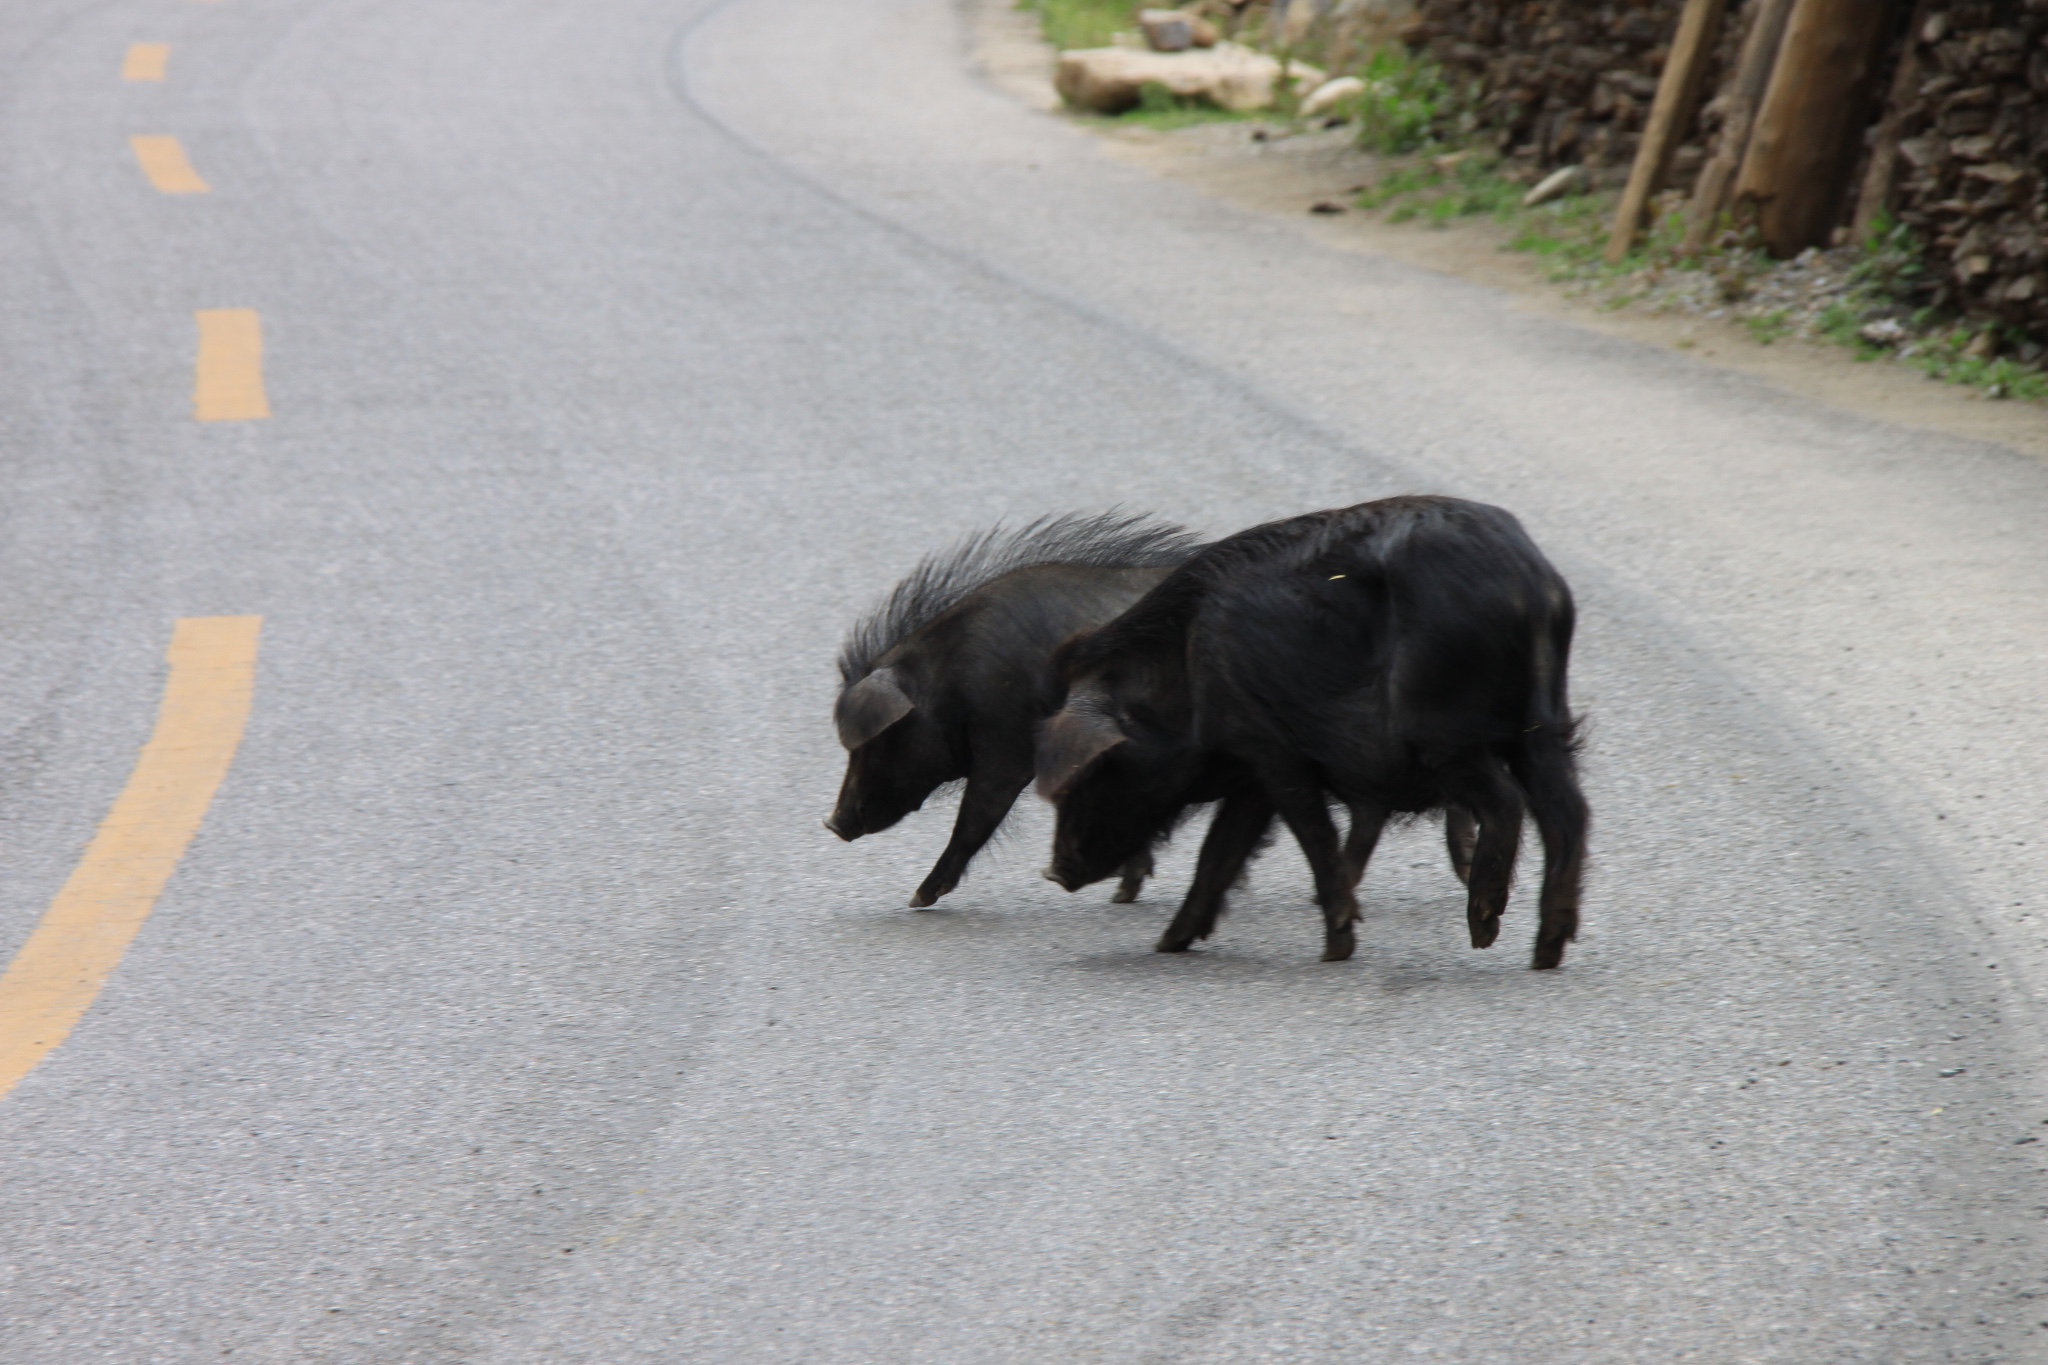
x: 1366, y: 824
x: 1461, y: 839
x: 1546, y: 770
x: 1135, y: 872
x: 982, y: 808
x: 1497, y: 803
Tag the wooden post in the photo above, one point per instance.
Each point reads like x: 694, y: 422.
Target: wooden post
x: 1677, y: 95
x: 1752, y: 76
x: 1876, y: 194
x: 1804, y: 146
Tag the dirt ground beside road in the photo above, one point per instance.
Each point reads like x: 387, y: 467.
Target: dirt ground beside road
x: 1284, y: 176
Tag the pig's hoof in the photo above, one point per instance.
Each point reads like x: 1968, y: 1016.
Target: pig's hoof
x: 1174, y: 943
x: 1339, y: 946
x: 1485, y: 931
x: 927, y: 897
x: 1125, y: 894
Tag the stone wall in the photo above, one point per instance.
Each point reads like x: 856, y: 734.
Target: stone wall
x: 1563, y: 81
x: 1974, y: 157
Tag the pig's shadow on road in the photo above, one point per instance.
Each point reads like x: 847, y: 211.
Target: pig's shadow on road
x: 1404, y: 945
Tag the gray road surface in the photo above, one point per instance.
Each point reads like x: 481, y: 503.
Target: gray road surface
x: 513, y: 1007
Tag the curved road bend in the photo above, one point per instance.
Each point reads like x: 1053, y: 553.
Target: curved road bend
x: 510, y: 1004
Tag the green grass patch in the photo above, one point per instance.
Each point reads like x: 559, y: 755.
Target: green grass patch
x: 1407, y: 104
x: 1568, y: 233
x: 1767, y: 328
x: 1469, y: 189
x: 2011, y: 379
x: 1160, y: 108
x: 1082, y: 23
x: 1473, y: 190
x: 1889, y: 272
x: 1892, y: 266
x: 1842, y: 323
x: 1943, y: 357
x: 1403, y: 182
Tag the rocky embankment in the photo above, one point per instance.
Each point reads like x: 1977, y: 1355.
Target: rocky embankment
x: 1560, y: 81
x: 1974, y: 157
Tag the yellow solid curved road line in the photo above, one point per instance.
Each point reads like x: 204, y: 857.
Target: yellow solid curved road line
x: 57, y: 974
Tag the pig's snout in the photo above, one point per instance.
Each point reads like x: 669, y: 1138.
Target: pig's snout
x: 1053, y: 875
x: 842, y: 827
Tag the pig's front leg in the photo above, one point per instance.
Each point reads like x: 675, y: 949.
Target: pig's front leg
x: 982, y: 808
x: 1135, y: 872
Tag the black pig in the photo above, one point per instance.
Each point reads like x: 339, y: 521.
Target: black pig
x: 1402, y: 655
x: 949, y: 676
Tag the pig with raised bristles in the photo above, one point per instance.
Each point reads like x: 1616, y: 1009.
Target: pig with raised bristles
x: 1404, y: 655
x: 949, y: 676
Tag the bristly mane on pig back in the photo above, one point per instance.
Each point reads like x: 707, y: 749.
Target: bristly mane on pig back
x: 1108, y: 540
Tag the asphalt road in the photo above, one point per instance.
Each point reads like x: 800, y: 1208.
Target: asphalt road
x: 511, y: 1005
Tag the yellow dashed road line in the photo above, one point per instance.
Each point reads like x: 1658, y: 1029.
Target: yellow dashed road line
x: 58, y: 973
x: 145, y: 61
x: 229, y: 384
x: 164, y: 162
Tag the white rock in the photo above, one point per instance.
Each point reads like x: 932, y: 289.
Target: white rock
x: 1167, y: 30
x: 1883, y: 332
x: 1107, y: 79
x: 1330, y: 94
x: 1558, y: 184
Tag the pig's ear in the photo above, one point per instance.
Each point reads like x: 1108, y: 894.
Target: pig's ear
x: 1071, y: 741
x: 869, y: 707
